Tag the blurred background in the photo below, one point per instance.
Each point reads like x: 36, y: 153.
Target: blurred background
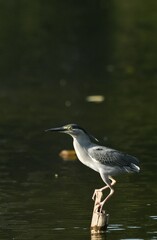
x: 93, y: 63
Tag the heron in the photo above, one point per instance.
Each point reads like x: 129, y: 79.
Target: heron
x: 106, y: 161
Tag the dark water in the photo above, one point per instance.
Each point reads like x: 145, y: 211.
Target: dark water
x: 53, y: 55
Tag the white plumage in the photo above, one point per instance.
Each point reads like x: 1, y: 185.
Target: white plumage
x: 106, y: 161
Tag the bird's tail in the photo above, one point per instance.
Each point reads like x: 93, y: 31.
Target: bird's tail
x: 135, y: 168
x: 132, y: 168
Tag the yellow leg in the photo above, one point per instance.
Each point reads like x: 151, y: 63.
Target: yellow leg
x: 113, y: 181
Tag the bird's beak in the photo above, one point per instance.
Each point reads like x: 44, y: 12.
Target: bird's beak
x: 59, y: 129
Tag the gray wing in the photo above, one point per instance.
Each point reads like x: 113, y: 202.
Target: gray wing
x: 111, y: 157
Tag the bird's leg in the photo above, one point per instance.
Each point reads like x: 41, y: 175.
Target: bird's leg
x: 113, y: 181
x: 101, y: 204
x: 98, y: 190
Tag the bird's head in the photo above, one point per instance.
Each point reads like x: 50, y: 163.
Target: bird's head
x: 71, y: 129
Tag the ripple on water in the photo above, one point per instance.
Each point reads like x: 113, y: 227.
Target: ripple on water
x: 116, y: 227
x: 132, y: 239
x: 153, y: 217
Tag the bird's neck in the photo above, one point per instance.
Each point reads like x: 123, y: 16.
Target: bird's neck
x: 81, y: 145
x: 82, y: 141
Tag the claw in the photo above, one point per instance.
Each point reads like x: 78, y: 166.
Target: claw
x: 99, y: 207
x: 95, y: 194
x: 97, y: 198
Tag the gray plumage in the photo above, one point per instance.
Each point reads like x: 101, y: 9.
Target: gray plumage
x: 114, y: 158
x: 108, y: 162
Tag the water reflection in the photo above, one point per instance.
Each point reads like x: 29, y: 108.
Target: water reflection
x: 98, y: 237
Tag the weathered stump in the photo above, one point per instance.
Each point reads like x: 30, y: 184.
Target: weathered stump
x: 100, y: 220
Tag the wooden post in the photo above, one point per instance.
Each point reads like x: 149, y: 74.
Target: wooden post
x: 100, y: 220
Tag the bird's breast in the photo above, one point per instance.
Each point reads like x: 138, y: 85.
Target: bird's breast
x: 83, y: 156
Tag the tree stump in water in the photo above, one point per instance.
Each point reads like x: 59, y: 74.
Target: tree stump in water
x: 100, y: 220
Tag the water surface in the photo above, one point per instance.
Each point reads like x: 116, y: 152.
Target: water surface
x: 54, y: 55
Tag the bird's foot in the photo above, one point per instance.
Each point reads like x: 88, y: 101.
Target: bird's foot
x: 99, y: 207
x: 95, y: 194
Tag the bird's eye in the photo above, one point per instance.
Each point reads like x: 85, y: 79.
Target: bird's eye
x: 69, y: 127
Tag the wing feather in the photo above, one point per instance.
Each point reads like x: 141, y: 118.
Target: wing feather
x: 111, y: 157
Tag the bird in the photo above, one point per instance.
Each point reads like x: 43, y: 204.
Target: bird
x: 106, y: 161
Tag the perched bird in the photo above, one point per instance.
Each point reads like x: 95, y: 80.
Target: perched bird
x: 106, y: 161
